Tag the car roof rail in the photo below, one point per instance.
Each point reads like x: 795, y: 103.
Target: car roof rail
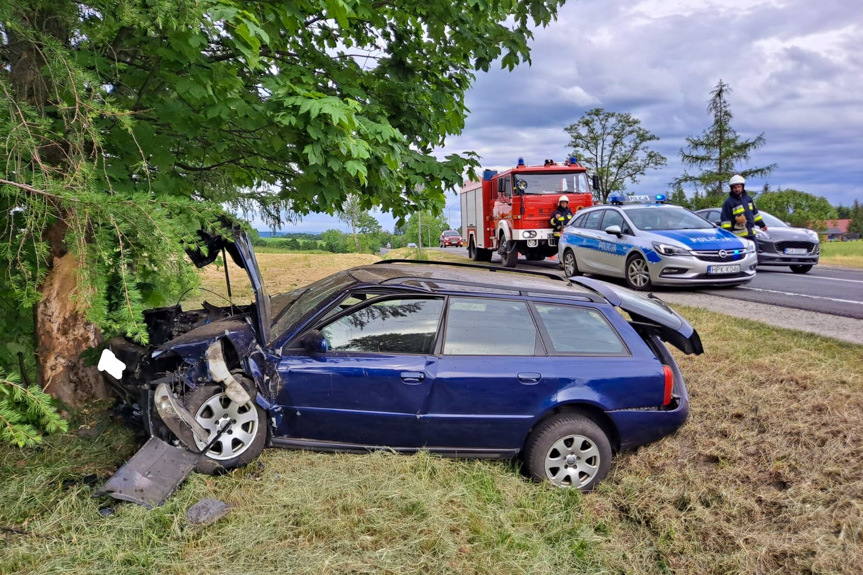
x: 548, y: 275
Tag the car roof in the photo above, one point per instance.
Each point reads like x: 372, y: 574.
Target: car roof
x: 469, y: 278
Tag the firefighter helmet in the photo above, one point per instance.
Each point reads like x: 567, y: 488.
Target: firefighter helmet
x: 736, y: 179
x: 562, y: 199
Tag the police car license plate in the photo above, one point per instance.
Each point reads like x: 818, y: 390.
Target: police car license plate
x: 717, y: 270
x: 796, y: 251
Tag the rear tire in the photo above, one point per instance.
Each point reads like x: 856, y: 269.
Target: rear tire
x: 568, y: 450
x: 570, y: 266
x: 801, y: 268
x: 637, y: 273
x: 238, y: 446
x: 478, y: 254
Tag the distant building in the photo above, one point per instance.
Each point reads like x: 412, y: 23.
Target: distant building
x: 837, y: 230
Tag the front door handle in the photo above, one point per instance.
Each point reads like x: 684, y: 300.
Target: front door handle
x: 529, y: 378
x: 412, y: 377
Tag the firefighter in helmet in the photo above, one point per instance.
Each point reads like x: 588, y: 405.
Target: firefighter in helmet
x: 739, y: 214
x: 561, y: 216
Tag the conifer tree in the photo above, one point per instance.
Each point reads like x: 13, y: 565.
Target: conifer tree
x: 719, y: 152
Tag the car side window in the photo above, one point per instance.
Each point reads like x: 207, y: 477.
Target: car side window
x: 404, y: 325
x: 714, y: 217
x: 579, y: 330
x: 613, y: 218
x: 593, y: 219
x: 479, y: 326
x: 577, y: 222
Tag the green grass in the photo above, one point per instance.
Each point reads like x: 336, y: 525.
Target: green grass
x: 765, y: 477
x: 843, y: 254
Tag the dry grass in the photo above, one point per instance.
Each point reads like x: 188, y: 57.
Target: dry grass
x: 765, y: 477
x: 842, y: 254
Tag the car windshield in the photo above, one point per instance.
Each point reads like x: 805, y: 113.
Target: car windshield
x: 291, y: 307
x: 772, y: 221
x: 657, y: 218
x: 450, y: 233
x: 555, y: 183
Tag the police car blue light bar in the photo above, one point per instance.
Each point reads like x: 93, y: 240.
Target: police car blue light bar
x: 620, y: 199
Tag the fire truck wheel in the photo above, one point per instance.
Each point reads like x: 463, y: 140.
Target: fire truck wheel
x: 570, y: 267
x: 637, y: 274
x: 508, y: 252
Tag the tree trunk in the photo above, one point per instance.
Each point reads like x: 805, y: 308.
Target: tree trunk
x: 62, y: 332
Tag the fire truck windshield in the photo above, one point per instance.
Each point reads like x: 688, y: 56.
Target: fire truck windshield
x: 546, y: 183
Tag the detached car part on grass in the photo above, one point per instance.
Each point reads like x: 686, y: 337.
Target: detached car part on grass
x: 456, y: 359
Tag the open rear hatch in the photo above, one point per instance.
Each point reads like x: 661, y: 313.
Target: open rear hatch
x: 649, y: 313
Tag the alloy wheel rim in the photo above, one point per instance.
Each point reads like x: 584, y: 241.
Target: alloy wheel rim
x: 569, y: 264
x: 572, y: 461
x: 213, y: 415
x: 638, y: 273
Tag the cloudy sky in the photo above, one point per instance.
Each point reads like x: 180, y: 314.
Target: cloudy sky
x: 795, y: 68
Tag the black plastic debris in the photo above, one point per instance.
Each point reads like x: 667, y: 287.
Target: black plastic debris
x: 207, y: 511
x: 106, y: 511
x: 151, y: 475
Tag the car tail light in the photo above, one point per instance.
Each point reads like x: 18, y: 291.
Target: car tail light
x: 669, y: 384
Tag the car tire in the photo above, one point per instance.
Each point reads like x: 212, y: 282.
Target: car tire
x: 637, y: 274
x: 241, y: 444
x: 570, y: 265
x: 801, y: 268
x: 568, y: 450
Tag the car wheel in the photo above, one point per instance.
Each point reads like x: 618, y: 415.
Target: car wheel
x: 801, y: 269
x: 570, y: 267
x: 569, y: 450
x: 239, y: 445
x: 637, y: 274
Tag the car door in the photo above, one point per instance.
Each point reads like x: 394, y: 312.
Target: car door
x: 492, y: 377
x: 611, y: 250
x: 372, y: 383
x: 587, y: 248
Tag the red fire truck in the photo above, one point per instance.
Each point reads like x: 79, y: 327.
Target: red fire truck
x: 509, y: 212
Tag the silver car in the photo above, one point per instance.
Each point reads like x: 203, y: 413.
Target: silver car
x: 781, y: 244
x: 649, y: 243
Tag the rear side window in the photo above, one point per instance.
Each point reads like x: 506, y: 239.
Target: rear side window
x: 593, y: 218
x: 613, y: 218
x: 477, y: 326
x: 580, y: 330
x: 391, y: 326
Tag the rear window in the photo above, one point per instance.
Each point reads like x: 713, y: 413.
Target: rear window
x: 579, y: 330
x: 479, y: 326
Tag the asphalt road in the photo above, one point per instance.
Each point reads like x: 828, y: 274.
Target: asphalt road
x: 824, y: 290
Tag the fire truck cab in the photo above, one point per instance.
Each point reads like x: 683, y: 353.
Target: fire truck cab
x: 510, y: 212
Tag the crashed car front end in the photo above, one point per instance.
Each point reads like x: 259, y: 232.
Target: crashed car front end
x: 201, y: 386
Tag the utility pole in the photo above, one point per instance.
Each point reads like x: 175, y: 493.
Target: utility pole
x: 420, y: 234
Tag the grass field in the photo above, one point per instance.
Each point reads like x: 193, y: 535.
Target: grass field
x: 765, y: 477
x: 842, y: 254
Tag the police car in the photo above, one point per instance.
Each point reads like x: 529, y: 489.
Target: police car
x: 648, y: 242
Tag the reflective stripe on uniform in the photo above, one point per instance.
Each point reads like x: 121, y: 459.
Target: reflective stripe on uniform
x: 725, y: 225
x: 737, y: 210
x: 757, y: 217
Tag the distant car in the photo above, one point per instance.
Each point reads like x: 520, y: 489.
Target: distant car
x: 781, y: 244
x: 455, y: 359
x: 412, y: 245
x: 649, y: 243
x: 451, y: 238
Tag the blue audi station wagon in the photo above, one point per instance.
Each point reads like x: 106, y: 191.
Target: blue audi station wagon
x: 456, y: 359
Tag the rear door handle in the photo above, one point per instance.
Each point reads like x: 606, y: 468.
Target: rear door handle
x: 412, y: 377
x: 529, y: 378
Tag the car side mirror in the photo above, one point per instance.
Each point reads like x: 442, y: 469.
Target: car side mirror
x: 594, y: 180
x: 614, y: 230
x: 315, y: 342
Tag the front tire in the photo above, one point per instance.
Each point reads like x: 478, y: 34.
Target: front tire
x: 508, y: 253
x: 568, y: 450
x: 239, y: 445
x: 637, y: 273
x: 801, y: 268
x: 570, y: 266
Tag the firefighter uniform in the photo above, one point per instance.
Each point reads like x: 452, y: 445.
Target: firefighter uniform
x: 740, y: 216
x: 560, y: 218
